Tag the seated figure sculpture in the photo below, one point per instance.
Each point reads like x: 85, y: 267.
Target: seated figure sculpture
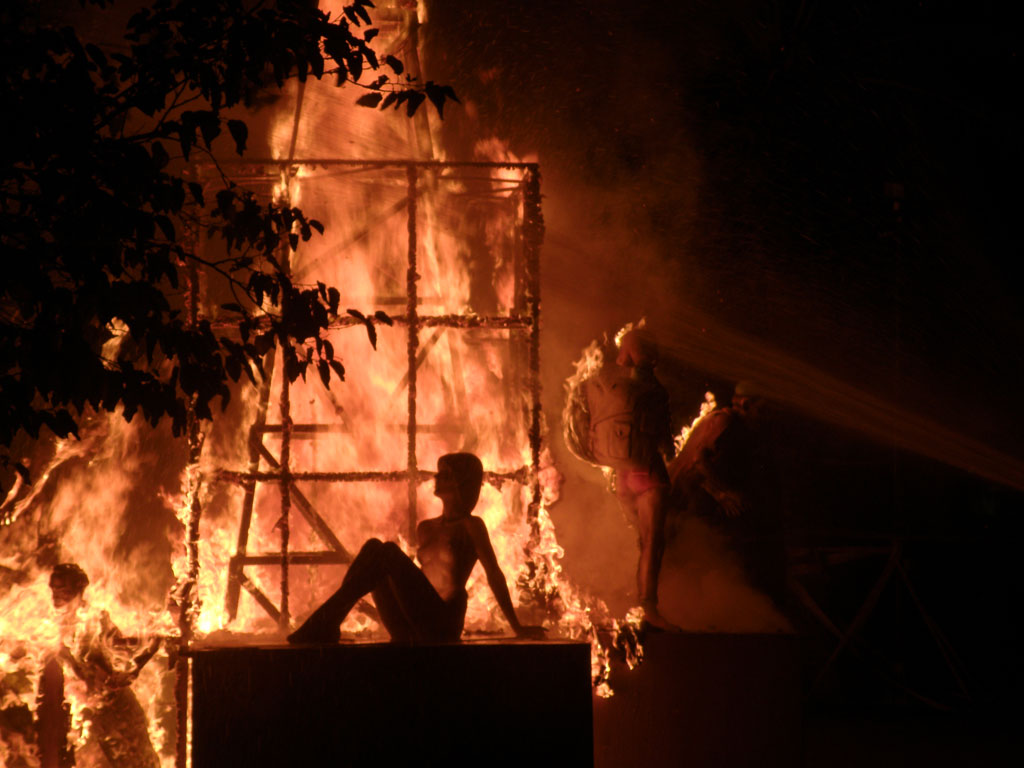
x: 425, y: 604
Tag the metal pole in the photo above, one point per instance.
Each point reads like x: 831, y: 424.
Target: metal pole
x: 286, y: 472
x: 533, y: 234
x: 286, y: 498
x: 413, y: 343
x: 188, y: 595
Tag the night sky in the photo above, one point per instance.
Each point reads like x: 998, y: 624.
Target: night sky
x: 837, y: 179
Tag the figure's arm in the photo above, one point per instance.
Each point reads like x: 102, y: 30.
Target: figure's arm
x: 723, y: 462
x: 421, y: 537
x: 496, y: 579
x: 131, y: 663
x: 142, y: 658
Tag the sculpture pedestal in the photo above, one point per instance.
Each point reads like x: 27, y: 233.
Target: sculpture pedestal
x: 473, y: 703
x: 704, y: 700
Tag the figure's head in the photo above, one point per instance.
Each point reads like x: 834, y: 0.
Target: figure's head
x: 458, y: 481
x: 67, y: 582
x: 636, y: 346
x: 748, y: 398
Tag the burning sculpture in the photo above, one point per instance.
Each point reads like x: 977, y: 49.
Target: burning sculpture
x: 95, y: 652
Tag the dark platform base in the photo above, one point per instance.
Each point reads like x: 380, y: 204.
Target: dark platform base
x: 704, y: 700
x: 355, y: 705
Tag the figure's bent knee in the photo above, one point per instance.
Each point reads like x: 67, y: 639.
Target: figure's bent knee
x: 372, y: 545
x: 390, y: 548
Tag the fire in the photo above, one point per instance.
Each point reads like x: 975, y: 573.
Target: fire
x: 706, y: 407
x: 362, y: 452
x: 76, y: 508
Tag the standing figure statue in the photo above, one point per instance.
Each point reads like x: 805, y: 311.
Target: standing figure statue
x: 617, y: 417
x: 96, y: 652
x: 725, y: 473
x: 425, y: 604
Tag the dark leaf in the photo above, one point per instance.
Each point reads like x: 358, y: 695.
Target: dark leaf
x: 240, y: 133
x: 362, y: 13
x: 186, y: 138
x: 437, y: 95
x: 166, y: 227
x: 396, y: 66
x: 209, y: 127
x: 160, y: 156
x: 415, y: 99
x: 96, y: 55
x: 369, y: 100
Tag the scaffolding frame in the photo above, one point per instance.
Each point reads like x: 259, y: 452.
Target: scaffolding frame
x: 522, y: 321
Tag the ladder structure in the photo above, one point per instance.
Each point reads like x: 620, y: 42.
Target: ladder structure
x: 515, y: 185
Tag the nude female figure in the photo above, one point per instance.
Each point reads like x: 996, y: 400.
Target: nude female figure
x: 425, y: 604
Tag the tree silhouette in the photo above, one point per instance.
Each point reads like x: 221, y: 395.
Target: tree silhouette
x: 96, y: 213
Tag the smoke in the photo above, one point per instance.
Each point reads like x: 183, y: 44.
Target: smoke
x: 702, y: 586
x: 638, y: 225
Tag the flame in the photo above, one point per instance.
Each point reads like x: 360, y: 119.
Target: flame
x: 707, y: 406
x: 472, y: 393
